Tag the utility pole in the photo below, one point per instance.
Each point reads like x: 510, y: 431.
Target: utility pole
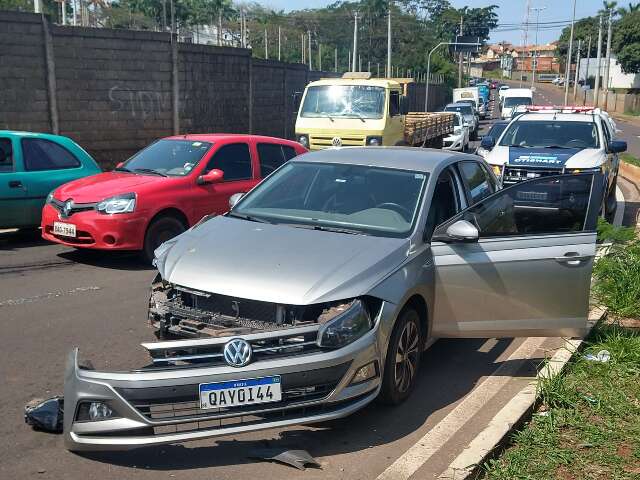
x: 389, y: 73
x: 525, y: 37
x: 303, y: 46
x: 335, y: 59
x: 378, y: 74
x: 575, y: 82
x: 355, y: 42
x: 310, y: 63
x: 460, y: 56
x: 279, y: 44
x: 535, y: 51
x: 320, y: 56
x: 568, y: 74
x: 266, y: 45
x: 607, y: 64
x: 349, y: 62
x: 63, y: 6
x: 586, y: 75
x: 37, y: 7
x: 596, y: 88
x: 219, y: 27
x: 359, y: 62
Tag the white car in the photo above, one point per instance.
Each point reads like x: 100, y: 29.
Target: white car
x: 459, y: 139
x: 503, y: 89
x: 513, y: 98
x: 556, y: 140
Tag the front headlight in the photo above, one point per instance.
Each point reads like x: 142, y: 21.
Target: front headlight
x: 374, y: 141
x: 346, y: 323
x: 125, y: 203
x: 49, y: 200
x: 303, y: 140
x: 497, y: 170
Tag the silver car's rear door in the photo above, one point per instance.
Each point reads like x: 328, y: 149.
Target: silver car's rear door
x: 529, y: 272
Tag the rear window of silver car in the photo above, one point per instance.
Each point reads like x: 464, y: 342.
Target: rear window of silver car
x: 371, y: 200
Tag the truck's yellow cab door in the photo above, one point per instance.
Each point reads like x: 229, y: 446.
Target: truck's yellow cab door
x: 394, y: 128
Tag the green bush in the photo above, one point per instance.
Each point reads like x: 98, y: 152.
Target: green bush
x: 617, y: 279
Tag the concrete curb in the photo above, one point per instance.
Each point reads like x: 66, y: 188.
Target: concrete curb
x: 630, y: 172
x: 494, y: 436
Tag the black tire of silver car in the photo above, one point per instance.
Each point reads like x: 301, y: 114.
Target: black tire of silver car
x: 160, y: 230
x: 611, y: 203
x: 403, y: 358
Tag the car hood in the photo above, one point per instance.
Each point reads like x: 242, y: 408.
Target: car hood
x: 98, y: 187
x: 278, y: 263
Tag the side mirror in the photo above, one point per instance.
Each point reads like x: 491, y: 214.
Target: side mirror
x: 488, y: 142
x: 297, y: 98
x: 617, y: 146
x: 120, y: 164
x: 404, y: 106
x: 460, y: 231
x: 213, y: 176
x: 235, y: 198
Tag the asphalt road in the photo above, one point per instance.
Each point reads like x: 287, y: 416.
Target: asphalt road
x: 53, y: 298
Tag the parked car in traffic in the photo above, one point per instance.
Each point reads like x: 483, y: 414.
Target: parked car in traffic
x: 513, y: 98
x: 552, y: 140
x: 459, y: 139
x: 161, y: 191
x: 320, y: 288
x: 468, y: 114
x: 31, y: 165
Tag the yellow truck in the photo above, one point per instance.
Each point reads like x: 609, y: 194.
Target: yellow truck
x: 357, y: 110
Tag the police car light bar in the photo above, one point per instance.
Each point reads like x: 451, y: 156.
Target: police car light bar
x: 561, y: 109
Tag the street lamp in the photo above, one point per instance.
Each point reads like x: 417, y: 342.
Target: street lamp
x: 426, y: 92
x: 568, y: 62
x: 534, y: 61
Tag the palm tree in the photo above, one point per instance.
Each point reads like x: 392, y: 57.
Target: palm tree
x: 630, y: 9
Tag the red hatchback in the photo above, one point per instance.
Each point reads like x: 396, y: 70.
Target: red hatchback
x: 160, y: 191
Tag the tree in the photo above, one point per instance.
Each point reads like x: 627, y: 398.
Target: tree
x: 626, y: 42
x: 583, y: 28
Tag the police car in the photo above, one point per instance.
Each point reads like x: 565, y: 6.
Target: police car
x: 554, y: 140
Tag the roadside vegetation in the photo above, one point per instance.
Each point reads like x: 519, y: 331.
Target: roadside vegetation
x: 628, y: 158
x: 587, y: 425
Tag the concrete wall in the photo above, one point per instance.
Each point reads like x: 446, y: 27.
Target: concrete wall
x: 116, y: 91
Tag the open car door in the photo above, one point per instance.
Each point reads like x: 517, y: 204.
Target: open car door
x: 518, y: 263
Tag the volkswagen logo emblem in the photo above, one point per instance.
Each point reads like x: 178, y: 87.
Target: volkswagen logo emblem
x: 66, y: 209
x: 336, y: 142
x: 237, y: 352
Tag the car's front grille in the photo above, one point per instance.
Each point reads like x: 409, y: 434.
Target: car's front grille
x: 513, y: 175
x: 180, y: 402
x: 76, y: 207
x: 318, y: 142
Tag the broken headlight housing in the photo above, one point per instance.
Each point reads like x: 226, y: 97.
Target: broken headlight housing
x: 345, y: 323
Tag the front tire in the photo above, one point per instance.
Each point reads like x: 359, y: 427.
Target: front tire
x: 159, y: 231
x: 403, y: 358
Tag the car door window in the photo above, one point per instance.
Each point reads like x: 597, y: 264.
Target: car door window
x: 289, y: 152
x: 271, y: 156
x: 550, y: 205
x: 445, y: 203
x: 394, y: 104
x: 607, y: 135
x: 6, y: 155
x: 234, y: 160
x: 40, y: 154
x: 477, y: 180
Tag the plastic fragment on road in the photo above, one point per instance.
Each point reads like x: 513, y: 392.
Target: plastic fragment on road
x: 45, y: 415
x: 296, y: 458
x: 602, y: 356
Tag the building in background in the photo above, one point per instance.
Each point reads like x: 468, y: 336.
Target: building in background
x: 617, y: 78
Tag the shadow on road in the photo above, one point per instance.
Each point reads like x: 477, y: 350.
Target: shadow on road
x: 17, y: 239
x: 457, y: 365
x: 111, y: 260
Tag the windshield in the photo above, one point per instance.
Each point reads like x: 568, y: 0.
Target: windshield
x: 496, y: 130
x: 456, y: 121
x: 353, y: 198
x: 551, y: 134
x: 515, y: 101
x: 463, y: 109
x: 360, y: 101
x: 168, y: 157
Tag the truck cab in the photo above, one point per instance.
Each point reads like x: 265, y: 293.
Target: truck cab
x: 354, y: 110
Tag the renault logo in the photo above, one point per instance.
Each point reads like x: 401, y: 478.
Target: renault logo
x: 68, y: 206
x: 237, y: 352
x: 336, y: 142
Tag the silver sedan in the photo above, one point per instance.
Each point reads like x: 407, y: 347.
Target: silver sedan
x: 317, y: 292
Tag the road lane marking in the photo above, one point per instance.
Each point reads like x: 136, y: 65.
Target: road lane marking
x: 46, y: 296
x: 418, y: 454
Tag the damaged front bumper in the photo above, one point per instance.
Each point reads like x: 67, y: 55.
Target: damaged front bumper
x: 160, y: 404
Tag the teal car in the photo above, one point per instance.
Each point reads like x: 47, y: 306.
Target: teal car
x: 31, y: 165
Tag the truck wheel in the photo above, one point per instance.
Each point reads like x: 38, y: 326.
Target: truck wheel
x: 403, y: 358
x: 160, y: 230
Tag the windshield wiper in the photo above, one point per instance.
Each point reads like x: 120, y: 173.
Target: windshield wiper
x: 556, y: 146
x: 149, y: 170
x: 325, y: 228
x: 247, y: 217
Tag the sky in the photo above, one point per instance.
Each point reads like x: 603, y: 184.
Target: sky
x: 509, y: 12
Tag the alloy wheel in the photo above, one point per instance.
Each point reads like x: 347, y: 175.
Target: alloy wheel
x: 407, y: 355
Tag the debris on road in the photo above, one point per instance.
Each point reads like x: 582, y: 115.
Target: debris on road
x: 602, y: 356
x: 45, y: 415
x: 296, y: 458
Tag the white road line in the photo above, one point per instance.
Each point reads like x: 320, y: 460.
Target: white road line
x: 432, y: 441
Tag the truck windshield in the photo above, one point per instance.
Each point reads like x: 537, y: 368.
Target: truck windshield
x: 358, y: 199
x: 515, y: 101
x: 551, y: 134
x: 168, y: 157
x: 462, y: 109
x: 360, y: 101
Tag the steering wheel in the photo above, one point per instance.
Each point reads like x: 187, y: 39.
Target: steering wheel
x: 406, y: 214
x: 576, y: 143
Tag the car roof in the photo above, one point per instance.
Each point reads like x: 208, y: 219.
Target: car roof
x: 403, y: 158
x: 213, y: 137
x: 557, y: 117
x: 458, y: 104
x: 19, y: 133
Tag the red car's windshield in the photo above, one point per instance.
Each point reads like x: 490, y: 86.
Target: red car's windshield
x: 168, y: 157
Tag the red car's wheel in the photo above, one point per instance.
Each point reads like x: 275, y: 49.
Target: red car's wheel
x: 160, y: 230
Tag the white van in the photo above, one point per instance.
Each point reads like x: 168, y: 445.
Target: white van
x: 514, y: 97
x: 468, y: 93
